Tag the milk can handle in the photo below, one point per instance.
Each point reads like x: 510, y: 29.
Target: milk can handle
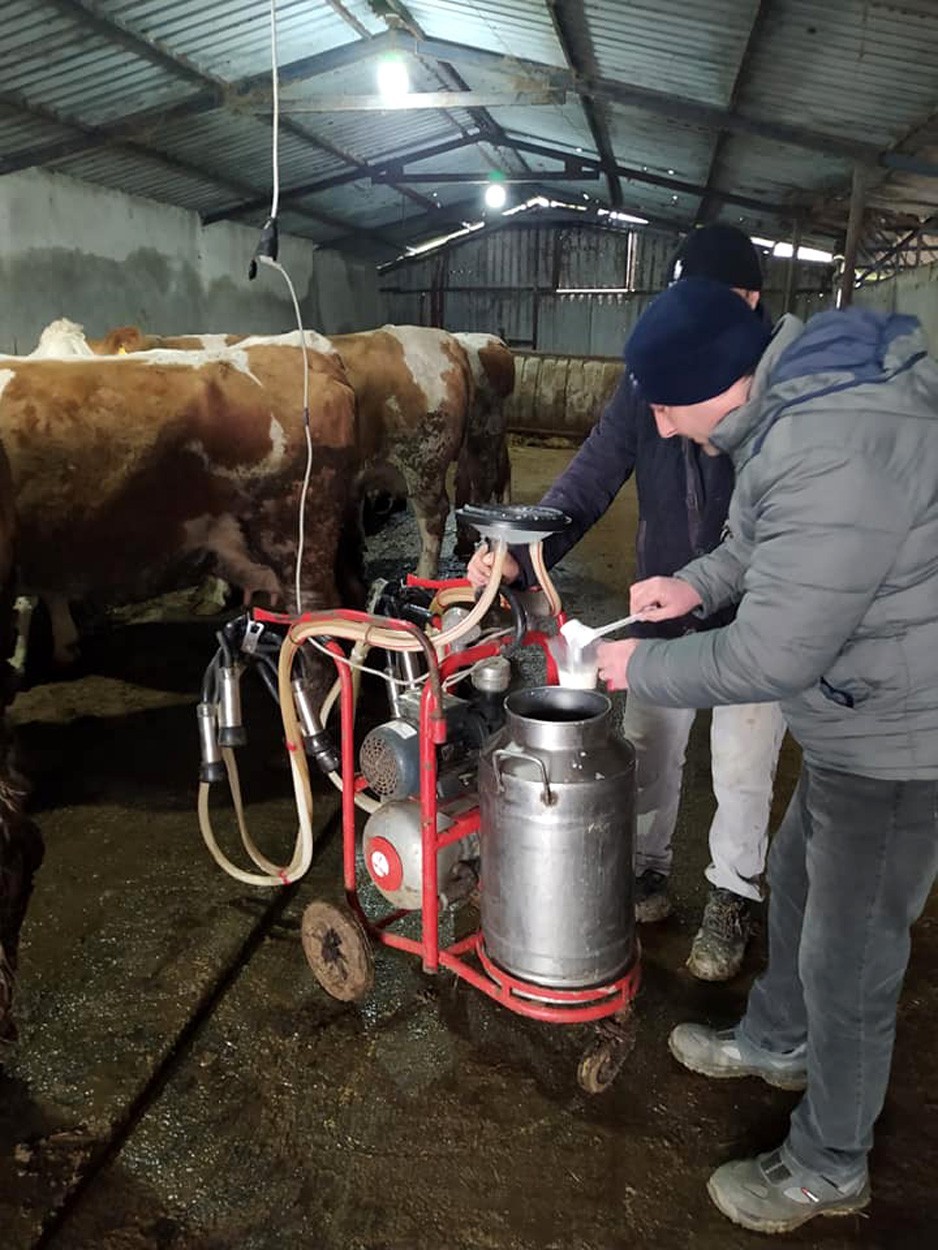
x: 546, y: 797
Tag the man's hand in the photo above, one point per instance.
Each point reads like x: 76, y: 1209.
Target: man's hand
x: 479, y: 569
x: 663, y: 598
x: 613, y: 660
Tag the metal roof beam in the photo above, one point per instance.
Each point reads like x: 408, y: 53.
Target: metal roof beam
x: 656, y: 102
x: 706, y: 207
x: 659, y: 180
x: 677, y: 108
x: 112, y: 29
x: 215, y: 93
x: 897, y: 248
x: 484, y: 179
x: 115, y: 31
x: 422, y: 100
x: 297, y: 191
x: 349, y: 18
x: 400, y: 20
x: 574, y: 37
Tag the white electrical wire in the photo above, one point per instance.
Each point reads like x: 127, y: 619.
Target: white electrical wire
x: 273, y: 264
x: 405, y: 682
x: 301, y: 517
x: 275, y: 93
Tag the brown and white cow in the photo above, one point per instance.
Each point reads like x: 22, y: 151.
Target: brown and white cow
x: 483, y: 474
x: 127, y: 468
x: 415, y: 392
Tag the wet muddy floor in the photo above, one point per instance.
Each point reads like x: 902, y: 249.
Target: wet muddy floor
x: 182, y: 1081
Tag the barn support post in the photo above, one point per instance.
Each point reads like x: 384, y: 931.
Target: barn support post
x: 792, y: 266
x: 854, y: 230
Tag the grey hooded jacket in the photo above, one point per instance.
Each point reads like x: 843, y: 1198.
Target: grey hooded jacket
x: 832, y: 552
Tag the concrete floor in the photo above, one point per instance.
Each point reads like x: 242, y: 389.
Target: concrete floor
x: 182, y: 1081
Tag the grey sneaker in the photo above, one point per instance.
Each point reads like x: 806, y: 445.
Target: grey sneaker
x: 725, y: 1053
x: 773, y: 1193
x: 652, y: 900
x: 718, y: 949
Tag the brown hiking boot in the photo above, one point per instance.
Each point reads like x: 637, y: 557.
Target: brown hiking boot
x: 718, y: 949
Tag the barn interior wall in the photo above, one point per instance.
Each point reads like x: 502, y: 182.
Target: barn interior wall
x: 102, y: 258
x: 913, y: 291
x: 510, y: 283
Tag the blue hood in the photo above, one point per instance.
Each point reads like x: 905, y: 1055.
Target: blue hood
x: 866, y: 346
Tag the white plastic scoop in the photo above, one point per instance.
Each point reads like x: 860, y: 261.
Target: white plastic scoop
x: 579, y: 636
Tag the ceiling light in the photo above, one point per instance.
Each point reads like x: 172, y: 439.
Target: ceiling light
x: 495, y: 195
x: 393, y: 78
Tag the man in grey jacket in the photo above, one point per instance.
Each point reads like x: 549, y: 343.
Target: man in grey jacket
x: 833, y: 431
x: 683, y: 498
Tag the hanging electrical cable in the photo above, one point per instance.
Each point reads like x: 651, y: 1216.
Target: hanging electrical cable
x: 266, y: 253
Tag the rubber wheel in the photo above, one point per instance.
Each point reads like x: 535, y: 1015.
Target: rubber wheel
x: 602, y: 1060
x: 338, y: 951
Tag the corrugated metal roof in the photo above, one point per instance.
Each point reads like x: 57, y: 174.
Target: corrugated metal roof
x: 19, y: 130
x: 769, y: 171
x: 231, y: 38
x: 140, y: 175
x: 689, y: 47
x: 517, y: 28
x: 53, y: 61
x: 362, y: 204
x: 863, y: 71
x: 857, y: 69
x: 238, y: 146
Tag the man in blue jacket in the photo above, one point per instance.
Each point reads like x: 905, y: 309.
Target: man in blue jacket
x: 833, y: 432
x: 683, y: 497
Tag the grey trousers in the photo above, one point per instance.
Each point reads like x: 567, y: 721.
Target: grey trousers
x: 744, y: 746
x: 849, y: 871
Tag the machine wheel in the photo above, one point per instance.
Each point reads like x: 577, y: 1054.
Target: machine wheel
x: 338, y: 951
x: 603, y: 1058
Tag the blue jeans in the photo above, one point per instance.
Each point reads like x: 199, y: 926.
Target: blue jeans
x: 849, y: 871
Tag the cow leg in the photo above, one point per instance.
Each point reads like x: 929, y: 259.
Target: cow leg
x: 21, y: 851
x: 24, y: 608
x: 431, y: 512
x: 425, y: 479
x: 503, y: 482
x: 223, y: 537
x: 64, y: 632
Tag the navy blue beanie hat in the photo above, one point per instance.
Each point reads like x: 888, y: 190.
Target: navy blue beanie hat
x: 722, y: 252
x: 693, y: 342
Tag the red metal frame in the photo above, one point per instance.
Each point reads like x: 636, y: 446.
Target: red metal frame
x: 523, y: 997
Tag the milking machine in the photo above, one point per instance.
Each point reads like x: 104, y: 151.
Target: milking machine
x: 474, y: 791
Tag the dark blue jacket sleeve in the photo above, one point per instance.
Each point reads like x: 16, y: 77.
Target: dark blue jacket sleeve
x: 593, y: 478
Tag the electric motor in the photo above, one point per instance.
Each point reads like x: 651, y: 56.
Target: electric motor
x: 390, y: 760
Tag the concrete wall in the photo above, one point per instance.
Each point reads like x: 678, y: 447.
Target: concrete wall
x: 915, y: 291
x: 104, y: 259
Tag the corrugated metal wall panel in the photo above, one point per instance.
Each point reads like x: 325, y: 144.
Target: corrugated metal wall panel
x: 505, y: 283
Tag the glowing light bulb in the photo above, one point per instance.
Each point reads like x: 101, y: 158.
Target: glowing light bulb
x: 393, y: 78
x: 495, y: 195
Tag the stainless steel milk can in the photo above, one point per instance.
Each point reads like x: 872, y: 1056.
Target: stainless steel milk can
x: 557, y: 799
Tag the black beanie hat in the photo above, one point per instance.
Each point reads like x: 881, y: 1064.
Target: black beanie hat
x: 720, y: 252
x: 693, y: 342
